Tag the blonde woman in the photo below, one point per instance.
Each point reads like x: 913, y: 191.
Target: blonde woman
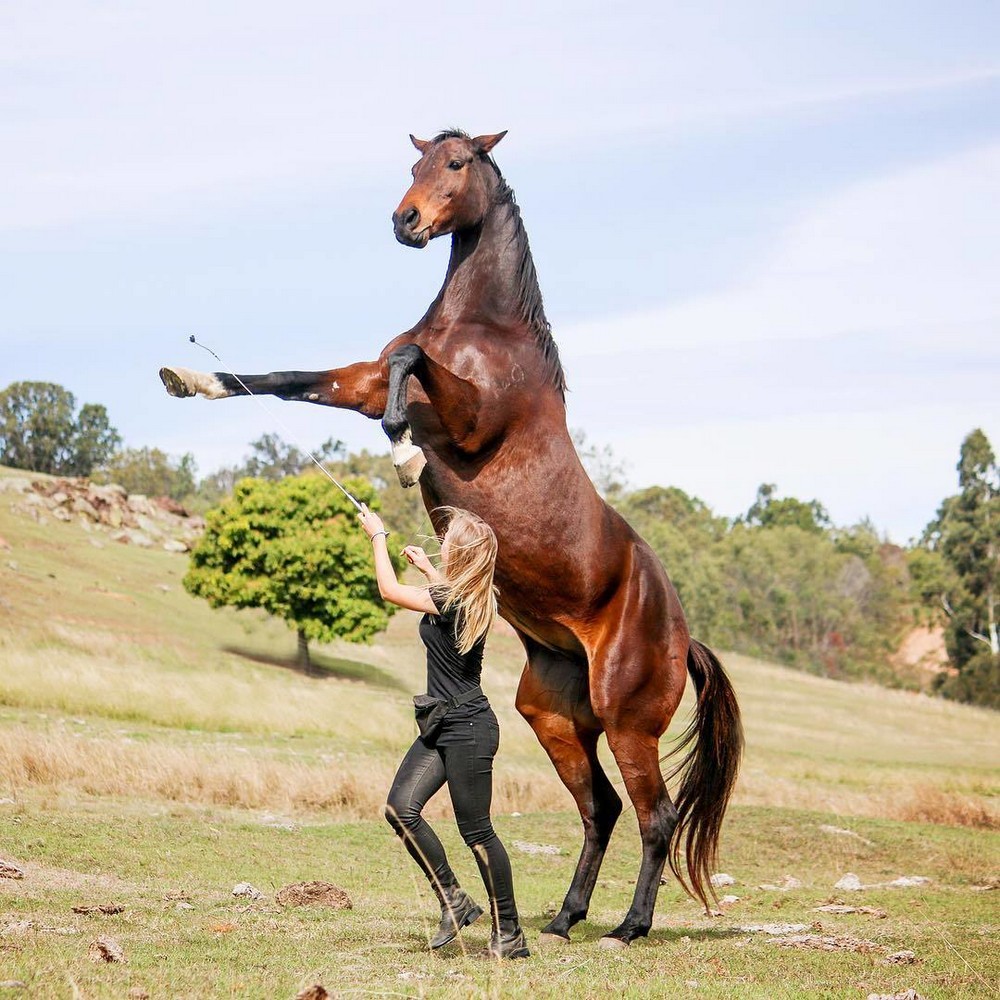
x: 459, y: 732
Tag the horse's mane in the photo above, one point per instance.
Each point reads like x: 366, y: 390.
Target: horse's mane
x: 529, y: 294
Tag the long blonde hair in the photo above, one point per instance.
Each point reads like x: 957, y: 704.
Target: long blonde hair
x: 471, y: 559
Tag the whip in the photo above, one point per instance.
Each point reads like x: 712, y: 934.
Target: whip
x: 319, y: 465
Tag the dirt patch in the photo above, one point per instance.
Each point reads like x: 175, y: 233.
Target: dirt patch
x: 314, y: 894
x: 45, y: 878
x: 922, y: 648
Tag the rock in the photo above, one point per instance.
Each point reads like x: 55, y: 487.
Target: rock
x: 61, y: 514
x: 80, y: 505
x: 775, y: 930
x: 729, y: 900
x: 825, y: 942
x: 175, y: 545
x: 9, y: 870
x: 139, y: 504
x: 787, y: 884
x: 247, y: 890
x: 314, y: 992
x: 131, y: 536
x: 910, y: 994
x: 720, y: 879
x: 138, y: 993
x: 909, y: 881
x: 840, y: 908
x: 526, y: 847
x: 905, y: 957
x: 314, y: 893
x: 13, y: 984
x: 107, y: 909
x: 106, y: 949
x: 850, y: 883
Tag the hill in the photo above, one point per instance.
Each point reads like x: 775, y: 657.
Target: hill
x: 134, y: 721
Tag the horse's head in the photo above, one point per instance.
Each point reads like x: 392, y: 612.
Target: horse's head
x: 452, y: 184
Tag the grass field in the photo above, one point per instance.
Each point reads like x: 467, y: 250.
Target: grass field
x: 153, y: 753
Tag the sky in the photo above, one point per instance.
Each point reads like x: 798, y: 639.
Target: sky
x: 767, y: 234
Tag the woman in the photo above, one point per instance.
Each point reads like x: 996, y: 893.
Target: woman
x: 459, y: 606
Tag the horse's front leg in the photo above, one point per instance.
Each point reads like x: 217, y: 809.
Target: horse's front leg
x: 362, y: 386
x: 456, y: 401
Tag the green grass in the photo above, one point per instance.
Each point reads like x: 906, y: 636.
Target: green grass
x: 112, y: 852
x: 148, y: 745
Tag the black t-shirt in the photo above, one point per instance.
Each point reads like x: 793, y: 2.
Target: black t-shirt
x: 449, y: 672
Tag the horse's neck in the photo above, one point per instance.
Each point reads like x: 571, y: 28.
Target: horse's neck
x: 482, y: 278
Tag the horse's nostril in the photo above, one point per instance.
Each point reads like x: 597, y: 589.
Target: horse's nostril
x: 410, y: 218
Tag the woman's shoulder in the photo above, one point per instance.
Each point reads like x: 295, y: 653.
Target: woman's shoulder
x: 440, y: 594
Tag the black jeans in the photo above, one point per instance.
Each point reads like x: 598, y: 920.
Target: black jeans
x: 467, y: 768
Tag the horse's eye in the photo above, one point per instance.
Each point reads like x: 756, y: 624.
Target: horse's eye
x: 456, y: 165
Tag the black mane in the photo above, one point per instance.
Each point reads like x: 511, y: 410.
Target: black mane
x: 529, y: 294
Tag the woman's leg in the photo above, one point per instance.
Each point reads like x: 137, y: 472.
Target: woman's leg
x: 469, y: 770
x: 420, y: 775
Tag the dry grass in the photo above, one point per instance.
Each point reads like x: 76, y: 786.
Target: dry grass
x: 232, y: 777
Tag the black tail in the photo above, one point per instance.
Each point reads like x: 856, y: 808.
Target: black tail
x: 708, y: 772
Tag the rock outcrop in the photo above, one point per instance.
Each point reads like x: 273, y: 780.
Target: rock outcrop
x: 131, y: 519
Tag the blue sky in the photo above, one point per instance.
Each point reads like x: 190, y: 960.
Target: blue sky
x: 767, y: 236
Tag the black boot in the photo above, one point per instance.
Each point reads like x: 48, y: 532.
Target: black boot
x: 457, y: 911
x: 507, y: 941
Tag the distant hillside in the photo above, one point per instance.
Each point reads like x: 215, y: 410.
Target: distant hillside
x: 105, y: 658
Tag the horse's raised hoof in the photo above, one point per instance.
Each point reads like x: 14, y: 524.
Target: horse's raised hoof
x: 409, y: 462
x: 609, y: 943
x: 174, y: 384
x: 549, y: 940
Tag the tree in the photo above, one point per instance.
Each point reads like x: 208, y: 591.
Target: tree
x: 606, y: 470
x: 293, y: 547
x: 270, y: 458
x: 769, y: 511
x: 150, y: 471
x: 39, y: 432
x: 966, y: 534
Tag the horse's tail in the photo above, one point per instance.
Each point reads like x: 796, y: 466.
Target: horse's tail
x: 708, y: 772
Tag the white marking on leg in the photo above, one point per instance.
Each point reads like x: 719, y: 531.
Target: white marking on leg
x: 408, y: 459
x: 202, y: 383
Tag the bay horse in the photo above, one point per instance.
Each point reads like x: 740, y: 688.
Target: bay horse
x: 472, y: 399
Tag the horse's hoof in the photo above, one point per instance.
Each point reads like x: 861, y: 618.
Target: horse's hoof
x: 549, y: 940
x: 409, y: 463
x: 613, y: 944
x: 174, y: 384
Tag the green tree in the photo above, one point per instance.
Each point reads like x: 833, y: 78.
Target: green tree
x: 150, y: 471
x: 270, y: 458
x: 402, y: 510
x: 966, y: 535
x: 769, y: 511
x: 293, y: 547
x: 38, y: 430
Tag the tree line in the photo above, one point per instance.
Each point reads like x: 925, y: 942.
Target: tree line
x: 780, y: 581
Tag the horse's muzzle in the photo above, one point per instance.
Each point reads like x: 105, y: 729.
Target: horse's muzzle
x: 404, y: 225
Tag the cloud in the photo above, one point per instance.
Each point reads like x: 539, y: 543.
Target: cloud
x: 913, y: 253
x: 847, y: 366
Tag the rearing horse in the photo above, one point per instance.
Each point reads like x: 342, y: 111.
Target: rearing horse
x: 472, y: 399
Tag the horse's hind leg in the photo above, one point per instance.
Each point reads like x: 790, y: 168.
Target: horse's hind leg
x: 637, y: 754
x: 552, y: 696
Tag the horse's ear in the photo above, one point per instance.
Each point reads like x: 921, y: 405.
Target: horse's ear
x: 421, y: 144
x: 484, y: 143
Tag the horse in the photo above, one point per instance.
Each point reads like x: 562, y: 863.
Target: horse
x: 472, y: 399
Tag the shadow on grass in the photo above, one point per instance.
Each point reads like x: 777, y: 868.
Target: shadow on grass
x: 324, y: 668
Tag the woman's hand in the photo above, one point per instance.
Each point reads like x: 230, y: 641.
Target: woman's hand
x: 371, y: 523
x: 416, y: 556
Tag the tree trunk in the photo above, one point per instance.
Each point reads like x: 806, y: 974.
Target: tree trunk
x: 302, y: 659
